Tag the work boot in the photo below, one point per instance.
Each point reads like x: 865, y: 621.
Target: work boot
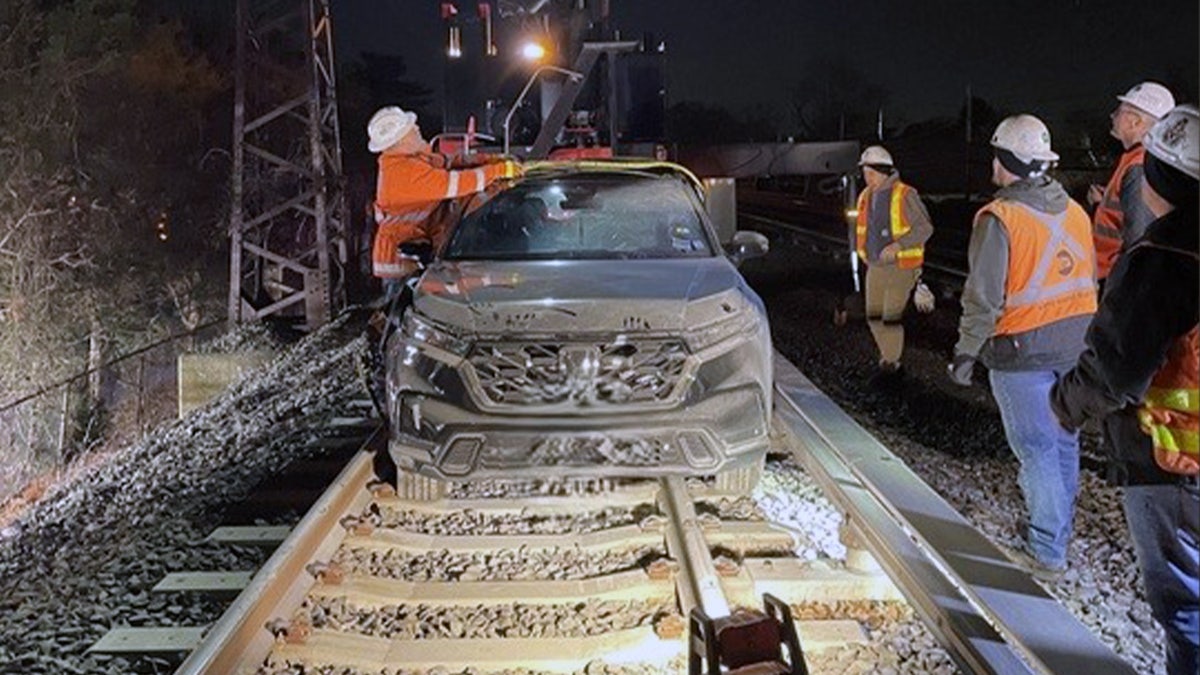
x: 840, y: 316
x: 1036, y: 568
x: 888, y: 377
x: 889, y: 367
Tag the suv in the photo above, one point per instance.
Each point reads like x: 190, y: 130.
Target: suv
x: 583, y: 322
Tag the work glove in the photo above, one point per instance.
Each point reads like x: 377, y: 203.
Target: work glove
x: 923, y: 298
x: 961, y: 370
x: 512, y: 169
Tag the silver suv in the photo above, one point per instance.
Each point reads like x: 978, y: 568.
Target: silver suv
x: 583, y: 322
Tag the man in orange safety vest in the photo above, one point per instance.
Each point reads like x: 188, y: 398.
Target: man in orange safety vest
x: 890, y: 230
x: 415, y: 189
x: 1121, y: 216
x: 1027, y: 302
x: 1141, y: 376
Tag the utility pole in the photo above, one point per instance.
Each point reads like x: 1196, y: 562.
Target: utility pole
x: 288, y: 216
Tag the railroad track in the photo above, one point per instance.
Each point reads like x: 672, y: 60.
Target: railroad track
x: 550, y: 579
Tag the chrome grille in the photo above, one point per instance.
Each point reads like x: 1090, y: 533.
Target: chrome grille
x: 581, y: 373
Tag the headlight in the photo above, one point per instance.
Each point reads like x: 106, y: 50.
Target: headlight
x: 426, y: 333
x: 744, y: 322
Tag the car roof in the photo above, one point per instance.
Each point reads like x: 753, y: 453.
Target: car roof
x: 619, y: 165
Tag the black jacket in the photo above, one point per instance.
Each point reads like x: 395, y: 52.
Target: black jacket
x: 1151, y: 300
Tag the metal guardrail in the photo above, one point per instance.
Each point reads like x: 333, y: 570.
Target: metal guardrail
x: 988, y: 612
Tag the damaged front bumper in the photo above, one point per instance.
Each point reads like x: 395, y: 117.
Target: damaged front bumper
x: 445, y: 426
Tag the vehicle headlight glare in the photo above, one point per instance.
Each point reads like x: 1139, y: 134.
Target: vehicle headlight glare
x: 423, y: 332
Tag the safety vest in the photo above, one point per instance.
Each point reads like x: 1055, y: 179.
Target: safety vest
x: 907, y: 258
x: 1051, y: 264
x: 410, y: 203
x: 1109, y: 219
x: 1170, y: 410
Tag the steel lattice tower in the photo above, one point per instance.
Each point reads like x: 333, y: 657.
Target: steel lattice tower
x: 288, y: 213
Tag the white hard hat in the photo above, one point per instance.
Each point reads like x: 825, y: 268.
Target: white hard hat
x: 1026, y: 137
x: 1175, y: 139
x: 387, y: 126
x: 876, y: 154
x: 1150, y: 97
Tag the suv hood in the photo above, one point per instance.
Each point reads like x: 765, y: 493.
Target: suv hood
x: 581, y: 296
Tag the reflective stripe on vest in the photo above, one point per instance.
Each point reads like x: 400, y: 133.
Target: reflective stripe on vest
x: 1170, y: 411
x: 1050, y: 265
x: 1109, y: 220
x: 394, y: 229
x: 906, y: 258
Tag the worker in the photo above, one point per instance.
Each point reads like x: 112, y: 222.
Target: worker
x: 1139, y: 375
x: 1121, y: 216
x: 890, y: 231
x: 1029, y: 296
x: 413, y: 188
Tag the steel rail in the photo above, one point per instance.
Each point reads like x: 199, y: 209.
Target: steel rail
x: 986, y: 611
x: 239, y: 641
x: 697, y: 581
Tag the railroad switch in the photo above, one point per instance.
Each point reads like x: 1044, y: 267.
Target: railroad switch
x: 747, y: 642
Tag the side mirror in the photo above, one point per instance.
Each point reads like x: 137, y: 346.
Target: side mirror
x: 746, y: 245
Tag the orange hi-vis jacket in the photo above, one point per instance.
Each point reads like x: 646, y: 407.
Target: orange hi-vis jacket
x: 1051, y: 274
x: 907, y: 258
x: 409, y: 191
x: 1109, y: 219
x: 1170, y: 411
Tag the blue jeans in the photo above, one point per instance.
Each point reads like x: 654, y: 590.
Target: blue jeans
x: 1049, y: 458
x: 1165, y: 523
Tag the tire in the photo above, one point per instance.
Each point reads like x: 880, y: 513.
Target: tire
x: 385, y: 467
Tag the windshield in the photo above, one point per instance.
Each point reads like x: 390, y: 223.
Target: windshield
x: 614, y: 217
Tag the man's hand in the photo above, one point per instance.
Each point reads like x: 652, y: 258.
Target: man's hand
x: 1095, y: 194
x: 889, y: 253
x: 961, y: 370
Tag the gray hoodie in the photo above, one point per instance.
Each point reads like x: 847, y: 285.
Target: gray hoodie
x: 1050, y: 347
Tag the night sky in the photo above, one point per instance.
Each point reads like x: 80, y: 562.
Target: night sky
x: 1050, y: 57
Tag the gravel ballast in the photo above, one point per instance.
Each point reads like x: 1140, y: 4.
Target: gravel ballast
x: 83, y: 559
